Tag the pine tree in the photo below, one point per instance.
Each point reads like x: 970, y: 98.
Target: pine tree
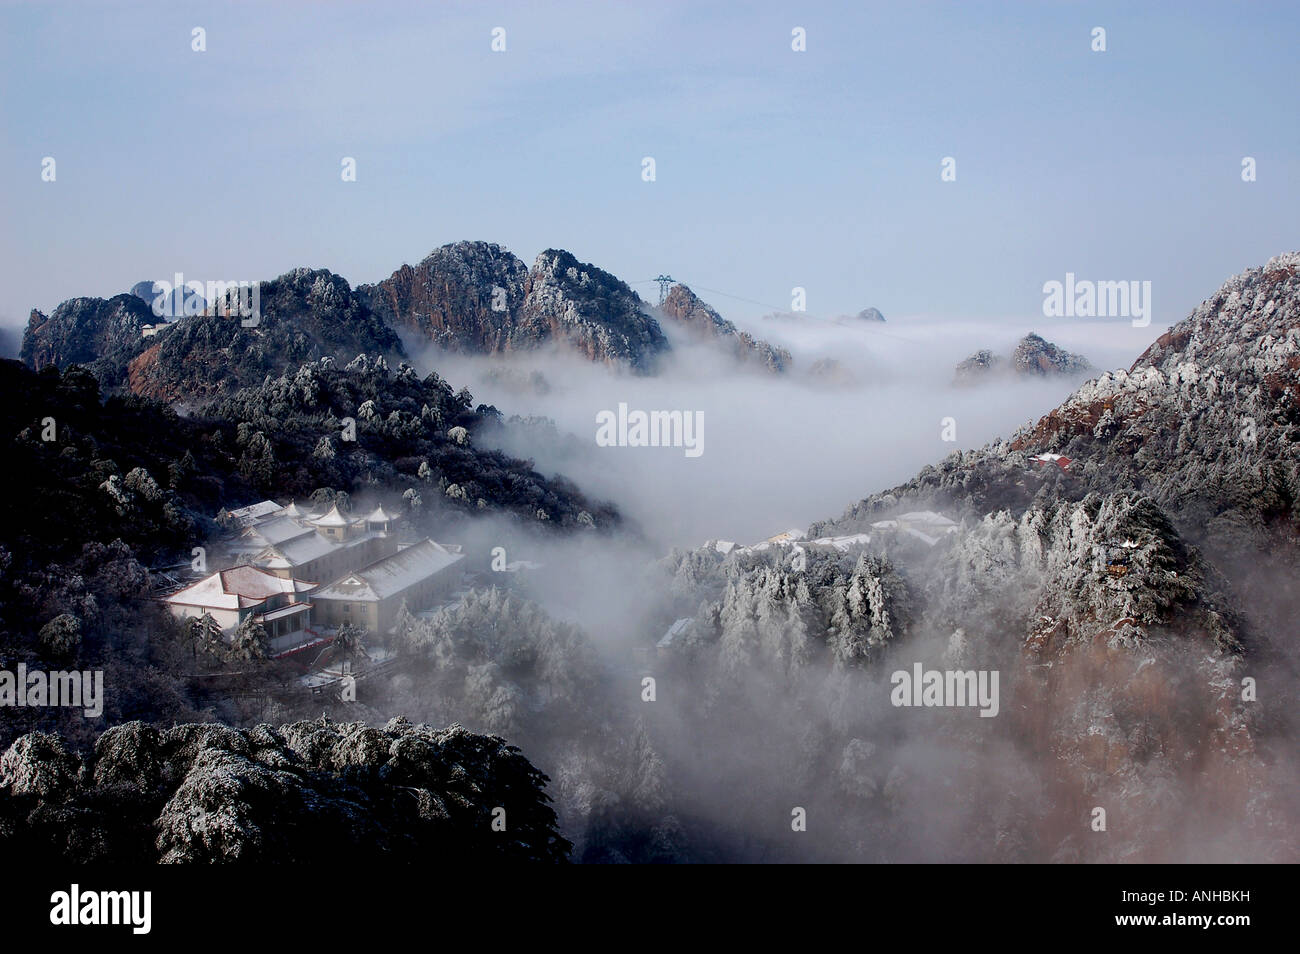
x: 250, y: 642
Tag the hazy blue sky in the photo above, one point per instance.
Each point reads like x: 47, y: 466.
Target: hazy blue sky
x: 774, y: 168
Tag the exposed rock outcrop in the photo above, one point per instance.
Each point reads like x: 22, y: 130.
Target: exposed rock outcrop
x: 686, y: 309
x: 589, y: 310
x: 101, y: 333
x: 979, y: 365
x: 303, y: 315
x: 1205, y: 423
x: 1033, y: 357
x: 479, y: 298
x: 466, y: 296
x: 174, y: 303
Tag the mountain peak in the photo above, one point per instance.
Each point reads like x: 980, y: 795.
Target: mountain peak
x: 590, y: 310
x: 479, y: 297
x: 1036, y: 355
x: 686, y: 309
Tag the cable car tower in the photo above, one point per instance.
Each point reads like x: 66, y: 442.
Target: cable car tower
x: 664, y: 281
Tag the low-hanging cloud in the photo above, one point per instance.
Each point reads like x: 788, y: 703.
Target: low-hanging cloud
x: 778, y: 451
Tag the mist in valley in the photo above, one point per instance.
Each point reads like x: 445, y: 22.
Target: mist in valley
x: 767, y: 732
x: 780, y: 451
x: 379, y: 572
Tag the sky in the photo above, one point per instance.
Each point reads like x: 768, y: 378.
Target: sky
x: 774, y: 168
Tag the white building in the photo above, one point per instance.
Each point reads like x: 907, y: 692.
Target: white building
x: 371, y: 596
x: 926, y: 525
x: 242, y: 517
x: 232, y: 596
x: 329, y: 568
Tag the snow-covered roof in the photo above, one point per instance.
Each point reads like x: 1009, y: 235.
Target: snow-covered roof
x: 674, y: 631
x: 297, y: 551
x: 842, y: 543
x: 334, y: 519
x: 290, y: 610
x: 294, y: 512
x: 793, y: 538
x: 379, y: 515
x: 1057, y: 459
x: 247, y: 516
x: 926, y: 518
x: 304, y: 549
x: 276, y: 530
x: 786, y: 536
x: 393, y: 574
x: 235, y: 588
x: 926, y: 525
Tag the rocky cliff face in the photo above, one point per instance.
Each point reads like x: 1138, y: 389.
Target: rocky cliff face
x: 466, y: 296
x: 473, y: 297
x: 1206, y: 420
x: 589, y: 310
x: 305, y: 315
x: 701, y: 322
x: 310, y: 792
x: 479, y: 298
x: 103, y: 333
x: 979, y: 366
x: 176, y: 304
x: 1205, y: 423
x: 1032, y: 357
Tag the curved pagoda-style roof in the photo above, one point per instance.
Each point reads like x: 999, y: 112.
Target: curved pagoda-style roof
x: 334, y: 519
